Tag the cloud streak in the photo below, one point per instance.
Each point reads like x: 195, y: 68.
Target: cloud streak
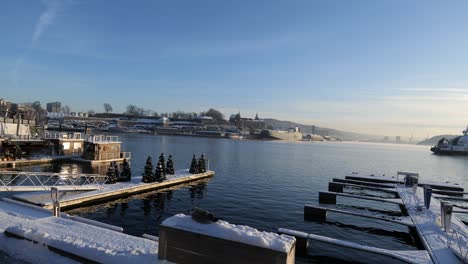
x: 45, y: 20
x: 52, y: 7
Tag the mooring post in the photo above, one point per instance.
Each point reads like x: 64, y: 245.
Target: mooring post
x: 55, y: 201
x: 327, y: 198
x: 314, y: 213
x: 427, y: 195
x: 335, y: 187
x: 446, y: 215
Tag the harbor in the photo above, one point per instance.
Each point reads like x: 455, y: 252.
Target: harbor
x: 442, y: 236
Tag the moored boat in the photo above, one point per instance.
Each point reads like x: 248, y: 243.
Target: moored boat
x: 455, y: 146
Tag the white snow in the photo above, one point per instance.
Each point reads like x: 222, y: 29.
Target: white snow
x: 98, y: 244
x: 238, y: 233
x: 428, y: 226
x: 44, y: 197
x: 102, y: 245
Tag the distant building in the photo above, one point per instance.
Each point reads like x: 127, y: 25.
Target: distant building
x: 54, y: 107
x: 247, y: 123
x: 398, y: 139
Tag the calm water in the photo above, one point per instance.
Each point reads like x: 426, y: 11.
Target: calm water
x: 265, y: 184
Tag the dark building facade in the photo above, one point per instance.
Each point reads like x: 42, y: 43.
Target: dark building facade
x: 54, y: 107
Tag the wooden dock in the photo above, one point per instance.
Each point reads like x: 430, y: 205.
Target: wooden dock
x: 112, y: 191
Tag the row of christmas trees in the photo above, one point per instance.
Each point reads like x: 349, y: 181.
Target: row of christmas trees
x: 115, y: 175
x: 198, y: 166
x: 162, y: 169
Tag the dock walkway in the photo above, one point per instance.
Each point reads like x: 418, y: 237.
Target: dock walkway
x: 112, y: 191
x: 442, y: 246
x: 66, y: 240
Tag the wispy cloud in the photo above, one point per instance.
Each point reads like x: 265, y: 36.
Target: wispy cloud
x: 52, y: 7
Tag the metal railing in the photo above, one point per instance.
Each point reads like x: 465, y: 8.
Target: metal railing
x: 61, y: 135
x: 458, y: 243
x: 44, y: 181
x: 102, y: 139
x: 125, y: 155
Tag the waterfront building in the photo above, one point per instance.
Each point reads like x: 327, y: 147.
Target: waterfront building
x: 244, y: 123
x: 54, y: 107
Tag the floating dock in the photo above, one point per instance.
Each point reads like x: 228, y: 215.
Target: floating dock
x: 441, y: 244
x: 111, y: 191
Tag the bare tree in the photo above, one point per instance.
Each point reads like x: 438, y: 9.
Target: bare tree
x: 107, y: 108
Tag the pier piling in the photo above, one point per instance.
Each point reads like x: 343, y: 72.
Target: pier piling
x: 335, y: 187
x: 314, y: 214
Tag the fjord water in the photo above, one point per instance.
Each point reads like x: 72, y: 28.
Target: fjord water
x: 265, y: 184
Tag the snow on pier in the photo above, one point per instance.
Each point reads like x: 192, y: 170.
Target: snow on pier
x: 34, y: 235
x: 442, y: 246
x: 112, y: 191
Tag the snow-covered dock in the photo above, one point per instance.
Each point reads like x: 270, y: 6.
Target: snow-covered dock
x: 443, y: 242
x: 111, y: 191
x: 443, y: 246
x: 32, y: 234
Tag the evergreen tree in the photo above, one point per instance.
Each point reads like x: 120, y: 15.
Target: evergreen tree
x: 170, y: 166
x: 126, y: 171
x: 148, y: 175
x: 194, y: 166
x: 111, y: 175
x: 116, y: 171
x: 201, y: 164
x: 163, y: 164
x: 159, y: 173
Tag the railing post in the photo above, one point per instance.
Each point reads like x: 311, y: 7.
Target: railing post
x: 55, y: 201
x: 427, y: 195
x: 446, y: 215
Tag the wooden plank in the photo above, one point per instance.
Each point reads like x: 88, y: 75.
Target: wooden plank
x: 365, y: 183
x: 383, y: 179
x: 127, y: 191
x: 402, y: 221
x: 387, y: 190
x: 392, y: 201
x: 408, y: 256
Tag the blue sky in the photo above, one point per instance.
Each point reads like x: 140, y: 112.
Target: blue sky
x: 384, y: 67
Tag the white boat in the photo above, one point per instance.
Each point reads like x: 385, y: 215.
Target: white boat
x: 455, y: 146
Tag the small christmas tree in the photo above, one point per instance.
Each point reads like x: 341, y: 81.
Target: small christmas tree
x: 126, y: 174
x: 194, y: 166
x: 148, y: 175
x: 170, y: 166
x: 163, y: 164
x: 111, y: 179
x: 159, y: 173
x: 18, y: 153
x: 116, y: 171
x: 201, y: 164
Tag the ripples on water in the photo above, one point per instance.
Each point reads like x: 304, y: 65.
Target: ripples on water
x: 266, y: 184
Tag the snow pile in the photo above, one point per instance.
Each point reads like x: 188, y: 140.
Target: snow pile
x: 98, y: 244
x: 239, y: 233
